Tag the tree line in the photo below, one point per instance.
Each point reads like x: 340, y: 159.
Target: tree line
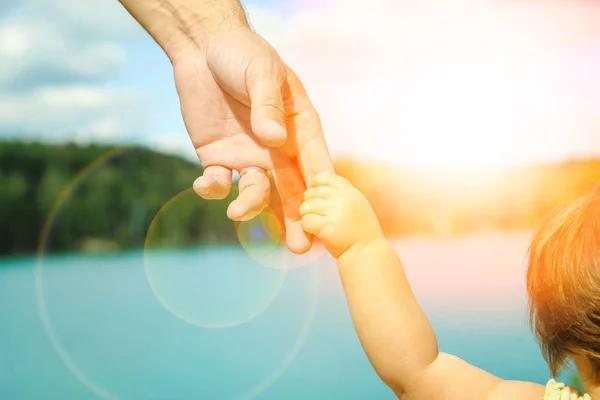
x: 69, y: 197
x: 101, y: 197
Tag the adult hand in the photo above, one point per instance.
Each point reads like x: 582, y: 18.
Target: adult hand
x: 244, y: 107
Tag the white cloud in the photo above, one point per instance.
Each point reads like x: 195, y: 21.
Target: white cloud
x: 56, y: 58
x: 98, y: 60
x: 14, y: 44
x: 492, y: 80
x: 80, y: 111
x: 474, y: 82
x: 49, y: 42
x: 174, y: 143
x: 90, y: 19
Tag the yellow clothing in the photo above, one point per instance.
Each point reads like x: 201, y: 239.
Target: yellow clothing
x: 560, y: 391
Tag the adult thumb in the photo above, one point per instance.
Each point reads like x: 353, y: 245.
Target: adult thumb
x: 267, y: 114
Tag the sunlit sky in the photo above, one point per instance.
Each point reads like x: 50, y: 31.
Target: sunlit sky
x: 444, y: 83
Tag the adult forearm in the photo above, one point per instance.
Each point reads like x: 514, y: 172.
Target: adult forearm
x: 391, y: 326
x: 175, y: 24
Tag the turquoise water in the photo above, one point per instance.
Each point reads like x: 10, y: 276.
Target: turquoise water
x: 220, y: 324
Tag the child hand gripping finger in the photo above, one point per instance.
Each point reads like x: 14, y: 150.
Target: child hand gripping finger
x: 339, y: 215
x: 390, y: 324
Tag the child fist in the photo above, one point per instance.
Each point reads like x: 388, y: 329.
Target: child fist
x: 338, y: 214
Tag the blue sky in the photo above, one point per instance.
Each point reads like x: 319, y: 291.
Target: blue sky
x: 85, y: 71
x: 148, y: 69
x: 430, y: 85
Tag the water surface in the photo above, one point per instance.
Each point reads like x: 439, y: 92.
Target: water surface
x: 221, y: 324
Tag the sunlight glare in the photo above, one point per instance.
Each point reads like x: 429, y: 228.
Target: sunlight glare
x: 474, y: 100
x: 458, y: 90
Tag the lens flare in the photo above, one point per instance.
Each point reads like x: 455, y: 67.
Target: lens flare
x: 200, y: 290
x: 263, y: 239
x: 297, y: 346
x: 64, y: 196
x: 261, y: 234
x: 259, y: 238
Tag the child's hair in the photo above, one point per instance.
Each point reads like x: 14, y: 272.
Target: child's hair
x: 563, y: 283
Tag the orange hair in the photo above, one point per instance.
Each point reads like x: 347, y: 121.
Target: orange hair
x: 563, y: 282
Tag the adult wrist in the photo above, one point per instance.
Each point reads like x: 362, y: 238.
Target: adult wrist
x: 200, y: 20
x: 178, y: 24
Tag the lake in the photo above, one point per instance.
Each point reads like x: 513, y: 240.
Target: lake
x: 225, y: 323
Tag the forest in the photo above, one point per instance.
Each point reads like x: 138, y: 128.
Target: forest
x: 69, y: 197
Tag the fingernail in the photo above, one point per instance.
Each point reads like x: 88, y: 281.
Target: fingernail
x: 275, y: 130
x: 235, y: 211
x: 202, y: 190
x: 275, y: 126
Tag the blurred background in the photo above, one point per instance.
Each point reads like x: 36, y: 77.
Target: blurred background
x: 463, y: 122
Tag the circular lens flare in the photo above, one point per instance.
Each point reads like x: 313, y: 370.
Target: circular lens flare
x: 261, y: 234
x: 210, y: 287
x: 267, y: 251
x: 64, y: 196
x: 263, y: 239
x: 296, y: 347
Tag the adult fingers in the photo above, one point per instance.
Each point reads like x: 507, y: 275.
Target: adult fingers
x: 254, y: 193
x: 264, y: 78
x: 290, y: 188
x: 215, y: 183
x: 305, y: 126
x: 313, y: 154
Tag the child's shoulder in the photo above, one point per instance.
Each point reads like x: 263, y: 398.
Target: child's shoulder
x: 560, y: 391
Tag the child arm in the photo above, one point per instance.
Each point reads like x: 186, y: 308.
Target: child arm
x: 390, y: 324
x: 392, y: 328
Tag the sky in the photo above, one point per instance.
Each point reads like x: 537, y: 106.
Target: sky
x: 443, y: 83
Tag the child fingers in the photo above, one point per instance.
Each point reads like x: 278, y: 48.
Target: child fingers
x: 320, y: 192
x: 312, y: 223
x: 313, y: 206
x: 327, y: 179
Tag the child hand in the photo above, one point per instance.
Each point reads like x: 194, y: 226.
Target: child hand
x: 338, y: 214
